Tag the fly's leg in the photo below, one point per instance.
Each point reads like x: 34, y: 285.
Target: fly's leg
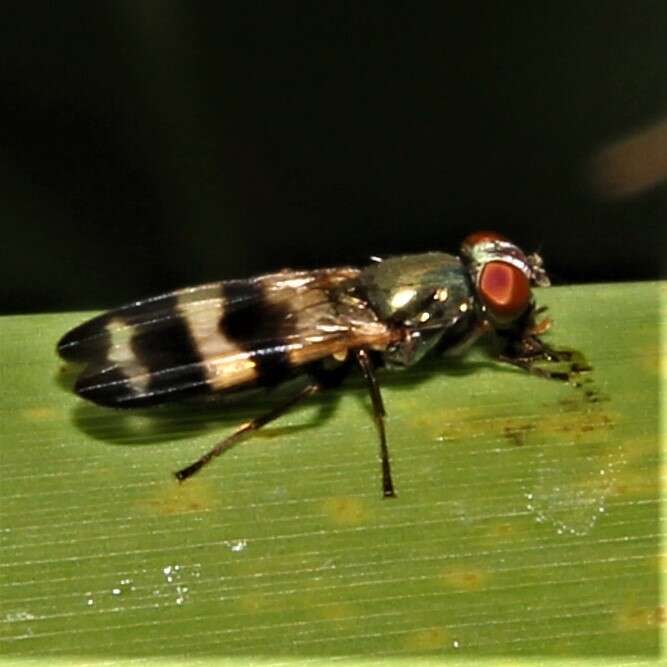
x: 245, y: 429
x: 534, y: 356
x: 378, y: 413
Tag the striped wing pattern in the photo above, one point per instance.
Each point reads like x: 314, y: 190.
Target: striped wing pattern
x: 220, y: 337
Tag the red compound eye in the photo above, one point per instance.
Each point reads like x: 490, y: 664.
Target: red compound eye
x: 504, y: 289
x: 472, y: 240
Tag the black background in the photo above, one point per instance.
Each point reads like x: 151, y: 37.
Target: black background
x: 150, y: 145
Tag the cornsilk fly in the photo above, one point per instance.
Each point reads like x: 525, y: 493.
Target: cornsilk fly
x: 233, y: 335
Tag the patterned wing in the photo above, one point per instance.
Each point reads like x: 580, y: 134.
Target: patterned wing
x: 219, y: 337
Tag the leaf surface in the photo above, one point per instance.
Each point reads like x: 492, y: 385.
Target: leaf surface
x: 526, y: 523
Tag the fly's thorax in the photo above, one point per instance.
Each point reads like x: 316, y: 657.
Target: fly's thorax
x: 423, y: 296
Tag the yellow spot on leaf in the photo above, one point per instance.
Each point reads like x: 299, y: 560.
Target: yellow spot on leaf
x: 464, y: 579
x: 640, y: 618
x: 651, y: 359
x: 337, y: 612
x: 38, y: 414
x: 639, y: 484
x: 171, y: 499
x: 640, y: 450
x: 503, y: 530
x: 346, y: 511
x: 428, y: 639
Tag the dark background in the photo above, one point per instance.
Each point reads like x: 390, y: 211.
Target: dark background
x: 149, y: 145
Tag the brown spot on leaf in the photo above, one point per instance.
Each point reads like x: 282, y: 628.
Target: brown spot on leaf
x: 516, y: 434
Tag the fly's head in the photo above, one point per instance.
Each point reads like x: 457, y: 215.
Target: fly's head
x: 502, y: 276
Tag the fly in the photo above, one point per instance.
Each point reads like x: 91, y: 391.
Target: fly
x: 233, y: 335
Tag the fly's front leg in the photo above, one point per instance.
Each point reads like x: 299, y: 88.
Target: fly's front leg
x: 378, y: 413
x: 533, y: 355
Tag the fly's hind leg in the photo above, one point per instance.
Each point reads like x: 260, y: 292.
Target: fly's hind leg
x: 378, y: 413
x: 245, y: 429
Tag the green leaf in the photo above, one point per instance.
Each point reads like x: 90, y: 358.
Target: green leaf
x: 526, y: 522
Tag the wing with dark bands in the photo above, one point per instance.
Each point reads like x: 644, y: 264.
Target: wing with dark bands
x: 218, y: 337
